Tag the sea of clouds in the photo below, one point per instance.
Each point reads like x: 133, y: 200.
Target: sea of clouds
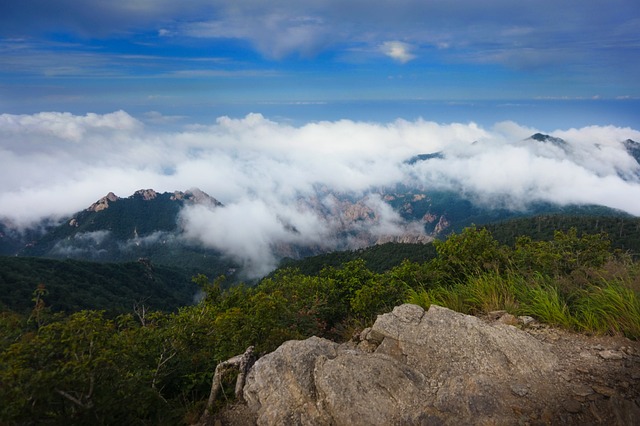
x: 269, y: 174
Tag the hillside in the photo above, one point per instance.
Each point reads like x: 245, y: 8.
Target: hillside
x: 622, y: 231
x: 73, y: 285
x: 157, y: 367
x: 145, y: 224
x: 187, y: 230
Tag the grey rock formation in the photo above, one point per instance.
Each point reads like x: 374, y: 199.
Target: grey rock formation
x: 410, y: 367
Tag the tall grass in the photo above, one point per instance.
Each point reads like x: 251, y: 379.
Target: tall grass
x: 441, y: 296
x: 610, y: 308
x: 491, y: 292
x: 545, y: 303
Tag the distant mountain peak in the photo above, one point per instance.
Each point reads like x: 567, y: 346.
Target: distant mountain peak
x: 541, y: 137
x: 193, y: 195
x: 424, y: 157
x: 196, y: 196
x: 145, y: 194
x: 633, y: 148
x: 103, y: 203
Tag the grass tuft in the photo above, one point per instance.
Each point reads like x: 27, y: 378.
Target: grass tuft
x: 611, y: 308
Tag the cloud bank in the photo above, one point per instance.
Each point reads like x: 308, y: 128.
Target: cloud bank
x: 274, y: 178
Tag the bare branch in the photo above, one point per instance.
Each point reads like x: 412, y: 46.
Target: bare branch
x: 74, y: 399
x: 243, y: 363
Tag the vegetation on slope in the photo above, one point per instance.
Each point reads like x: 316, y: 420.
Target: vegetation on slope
x: 74, y: 285
x: 156, y: 367
x: 623, y: 231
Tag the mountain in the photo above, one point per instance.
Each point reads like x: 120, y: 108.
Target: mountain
x: 144, y: 225
x: 633, y: 148
x: 541, y: 137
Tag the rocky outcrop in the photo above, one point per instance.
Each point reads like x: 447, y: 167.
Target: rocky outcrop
x: 193, y: 195
x: 436, y: 367
x: 196, y: 196
x: 146, y: 194
x: 101, y: 204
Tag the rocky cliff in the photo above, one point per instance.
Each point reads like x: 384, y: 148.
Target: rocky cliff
x: 440, y: 367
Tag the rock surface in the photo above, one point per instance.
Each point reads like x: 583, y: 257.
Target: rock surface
x: 440, y: 367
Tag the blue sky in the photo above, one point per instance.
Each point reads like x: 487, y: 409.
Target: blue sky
x: 323, y: 59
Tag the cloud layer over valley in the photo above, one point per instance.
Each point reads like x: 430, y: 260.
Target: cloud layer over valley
x: 275, y: 178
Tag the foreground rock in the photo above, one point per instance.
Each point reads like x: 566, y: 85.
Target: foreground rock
x: 440, y: 367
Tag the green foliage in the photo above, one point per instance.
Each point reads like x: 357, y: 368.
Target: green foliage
x: 151, y: 367
x: 73, y: 285
x: 379, y: 258
x: 473, y: 251
x: 612, y: 308
x: 559, y: 282
x: 545, y: 303
x: 622, y: 230
x: 491, y: 292
x: 564, y: 254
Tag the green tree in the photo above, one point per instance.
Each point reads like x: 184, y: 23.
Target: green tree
x: 473, y: 251
x: 564, y: 255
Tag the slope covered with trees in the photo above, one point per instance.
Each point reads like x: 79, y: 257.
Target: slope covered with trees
x: 156, y: 367
x: 74, y: 285
x: 622, y: 231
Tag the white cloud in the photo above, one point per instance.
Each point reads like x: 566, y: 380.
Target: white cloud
x: 275, y: 179
x: 397, y: 51
x: 66, y: 126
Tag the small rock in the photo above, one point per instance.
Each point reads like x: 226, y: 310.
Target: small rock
x: 582, y: 369
x: 495, y: 315
x: 363, y: 334
x: 604, y: 390
x: 582, y: 390
x: 611, y: 355
x: 526, y: 320
x: 572, y: 406
x: 520, y: 390
x: 508, y: 319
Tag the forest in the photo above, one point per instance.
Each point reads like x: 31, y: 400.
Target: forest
x: 149, y: 366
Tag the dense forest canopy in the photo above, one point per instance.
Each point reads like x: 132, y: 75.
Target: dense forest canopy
x: 149, y: 366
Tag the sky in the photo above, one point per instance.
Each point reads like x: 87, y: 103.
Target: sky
x: 259, y: 104
x: 446, y: 60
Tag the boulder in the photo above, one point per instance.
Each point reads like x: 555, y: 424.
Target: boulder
x: 411, y: 367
